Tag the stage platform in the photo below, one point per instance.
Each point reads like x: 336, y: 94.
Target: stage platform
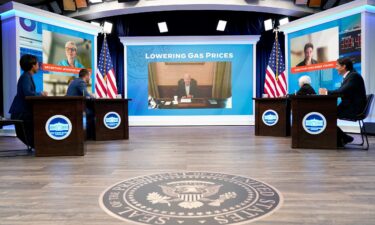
x: 318, y: 186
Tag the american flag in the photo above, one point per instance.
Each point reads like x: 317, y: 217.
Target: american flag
x: 275, y: 83
x: 105, y: 85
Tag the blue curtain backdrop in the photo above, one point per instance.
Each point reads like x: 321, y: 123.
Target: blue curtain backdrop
x: 263, y: 51
x: 116, y: 50
x: 191, y: 23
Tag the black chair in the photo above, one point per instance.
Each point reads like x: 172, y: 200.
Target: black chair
x: 360, y: 117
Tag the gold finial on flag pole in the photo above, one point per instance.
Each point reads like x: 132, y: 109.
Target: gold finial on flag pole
x: 276, y: 31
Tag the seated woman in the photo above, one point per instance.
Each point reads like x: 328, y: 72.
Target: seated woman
x: 304, y: 83
x: 20, y: 108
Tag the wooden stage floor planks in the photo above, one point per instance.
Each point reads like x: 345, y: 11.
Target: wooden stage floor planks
x: 318, y: 186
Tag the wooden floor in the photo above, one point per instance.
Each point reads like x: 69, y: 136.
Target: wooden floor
x: 319, y: 186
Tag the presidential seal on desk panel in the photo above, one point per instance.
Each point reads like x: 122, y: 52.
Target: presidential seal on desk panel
x: 314, y: 123
x: 112, y: 120
x: 58, y: 127
x: 190, y: 198
x: 270, y: 117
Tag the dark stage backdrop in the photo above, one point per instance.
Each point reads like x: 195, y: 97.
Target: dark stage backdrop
x: 184, y: 23
x: 192, y: 23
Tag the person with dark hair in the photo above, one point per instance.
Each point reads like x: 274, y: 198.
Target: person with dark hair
x: 20, y: 108
x: 78, y: 87
x: 308, y: 50
x: 352, y: 93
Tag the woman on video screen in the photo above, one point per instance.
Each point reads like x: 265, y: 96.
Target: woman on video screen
x: 71, y: 54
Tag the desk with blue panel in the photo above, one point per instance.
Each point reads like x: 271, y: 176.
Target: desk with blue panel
x: 109, y: 119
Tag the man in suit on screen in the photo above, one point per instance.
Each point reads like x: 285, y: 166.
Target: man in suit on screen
x: 308, y: 51
x: 352, y: 93
x: 187, y: 87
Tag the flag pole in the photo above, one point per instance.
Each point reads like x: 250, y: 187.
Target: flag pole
x: 104, y: 60
x: 276, y: 30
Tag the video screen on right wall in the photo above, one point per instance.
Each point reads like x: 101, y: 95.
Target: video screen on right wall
x: 315, y: 50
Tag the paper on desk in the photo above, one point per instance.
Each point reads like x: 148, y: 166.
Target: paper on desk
x: 167, y: 103
x: 185, y: 100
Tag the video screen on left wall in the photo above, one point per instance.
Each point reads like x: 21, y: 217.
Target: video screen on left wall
x: 63, y: 57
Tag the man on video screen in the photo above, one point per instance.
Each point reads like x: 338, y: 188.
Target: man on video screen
x: 308, y: 60
x: 187, y: 87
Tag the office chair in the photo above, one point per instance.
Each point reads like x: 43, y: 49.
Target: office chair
x: 360, y: 117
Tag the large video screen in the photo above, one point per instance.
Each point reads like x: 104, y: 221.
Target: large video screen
x: 61, y: 53
x: 181, y: 85
x: 191, y: 79
x: 65, y: 53
x: 314, y: 51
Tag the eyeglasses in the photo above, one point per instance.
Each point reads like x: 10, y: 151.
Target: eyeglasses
x: 71, y: 49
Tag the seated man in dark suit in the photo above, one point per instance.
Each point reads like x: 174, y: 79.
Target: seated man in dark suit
x: 187, y: 87
x: 352, y: 93
x: 78, y: 87
x: 305, y: 86
x: 20, y: 109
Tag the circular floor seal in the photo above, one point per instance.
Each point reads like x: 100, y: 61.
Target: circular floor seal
x: 189, y: 198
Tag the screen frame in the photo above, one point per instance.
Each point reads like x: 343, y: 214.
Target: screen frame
x: 194, y: 119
